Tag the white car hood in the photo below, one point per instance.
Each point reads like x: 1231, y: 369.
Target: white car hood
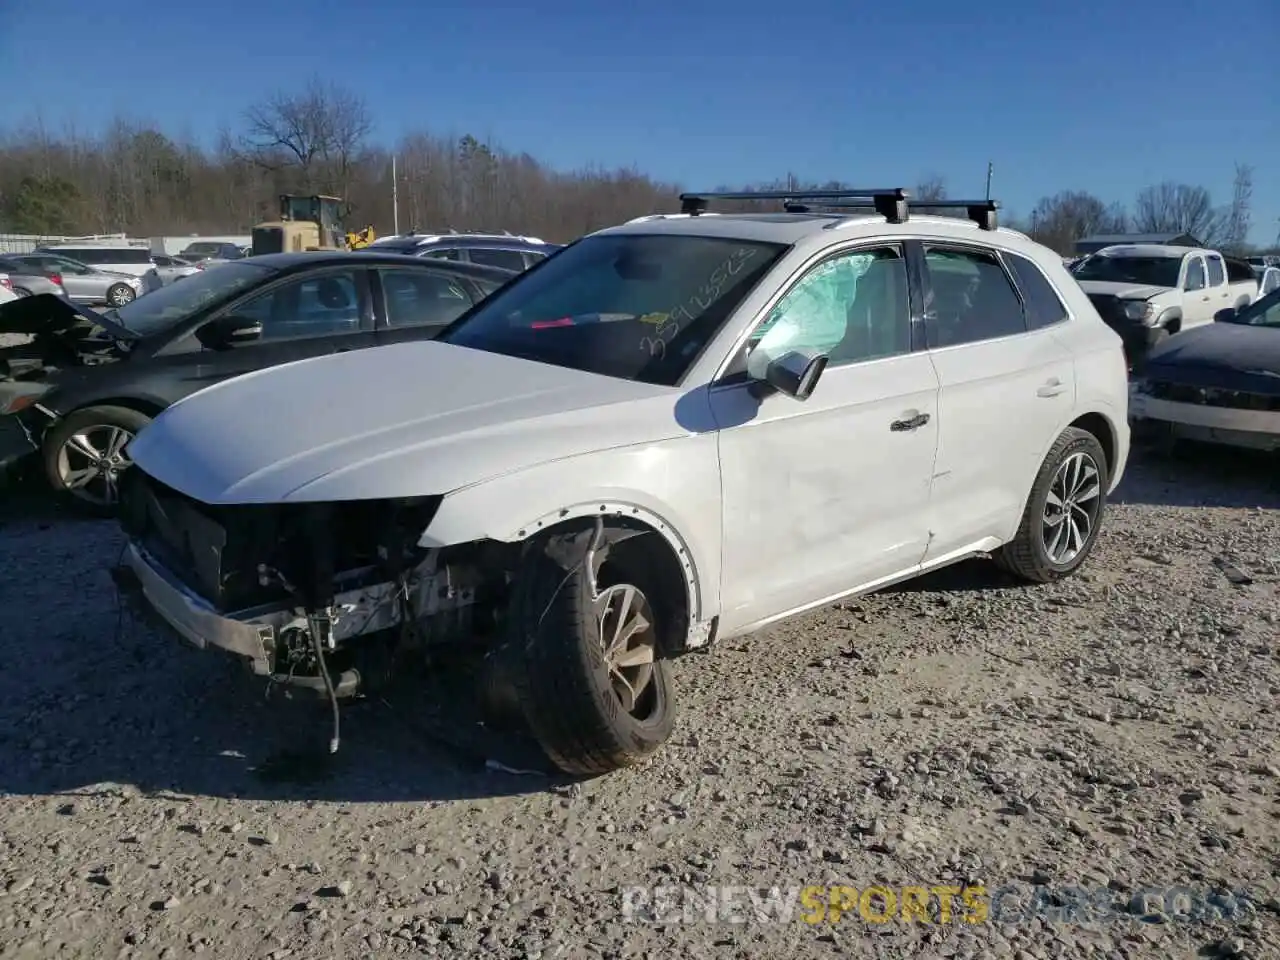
x: 402, y: 420
x: 1125, y: 291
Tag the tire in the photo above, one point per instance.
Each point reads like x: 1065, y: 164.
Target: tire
x: 563, y: 682
x: 1028, y: 554
x: 102, y: 427
x: 118, y: 294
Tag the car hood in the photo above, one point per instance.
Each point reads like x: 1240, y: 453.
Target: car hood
x: 1228, y: 356
x: 1125, y: 291
x: 402, y: 420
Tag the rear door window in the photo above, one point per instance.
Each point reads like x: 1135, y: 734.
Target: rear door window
x: 417, y: 298
x: 1042, y: 303
x: 1217, y: 272
x: 493, y: 257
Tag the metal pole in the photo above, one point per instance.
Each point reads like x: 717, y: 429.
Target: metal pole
x: 395, y: 198
x: 990, y: 170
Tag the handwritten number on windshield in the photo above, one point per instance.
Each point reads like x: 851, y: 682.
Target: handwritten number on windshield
x: 667, y: 329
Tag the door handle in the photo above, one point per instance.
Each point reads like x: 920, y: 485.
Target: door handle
x: 1053, y: 388
x: 909, y: 423
x: 1204, y: 298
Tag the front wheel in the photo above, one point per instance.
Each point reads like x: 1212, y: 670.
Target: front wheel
x: 119, y: 294
x: 1064, y: 512
x: 592, y: 684
x: 84, y: 455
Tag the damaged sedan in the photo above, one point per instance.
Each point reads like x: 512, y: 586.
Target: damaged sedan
x: 1217, y: 384
x: 670, y: 433
x: 86, y: 382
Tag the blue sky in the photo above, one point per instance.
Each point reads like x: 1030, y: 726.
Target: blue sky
x: 1106, y: 97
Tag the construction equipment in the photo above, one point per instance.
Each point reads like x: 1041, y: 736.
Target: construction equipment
x: 306, y: 223
x: 365, y: 238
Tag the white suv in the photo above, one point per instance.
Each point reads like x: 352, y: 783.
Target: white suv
x: 670, y: 432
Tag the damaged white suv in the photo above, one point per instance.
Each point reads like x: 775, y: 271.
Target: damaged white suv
x: 673, y: 431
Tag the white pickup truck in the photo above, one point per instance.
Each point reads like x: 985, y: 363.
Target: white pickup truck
x: 1147, y: 292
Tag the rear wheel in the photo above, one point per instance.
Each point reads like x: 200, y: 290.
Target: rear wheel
x: 1064, y: 512
x: 84, y: 455
x: 119, y: 294
x: 591, y: 681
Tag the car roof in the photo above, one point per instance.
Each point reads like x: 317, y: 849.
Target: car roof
x: 817, y: 230
x: 416, y: 241
x: 1150, y: 250
x: 289, y: 262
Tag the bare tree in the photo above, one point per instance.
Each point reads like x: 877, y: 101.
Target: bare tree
x: 1178, y: 208
x: 1062, y: 219
x: 931, y: 188
x: 314, y: 138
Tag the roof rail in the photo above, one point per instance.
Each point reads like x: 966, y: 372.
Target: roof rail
x: 892, y: 203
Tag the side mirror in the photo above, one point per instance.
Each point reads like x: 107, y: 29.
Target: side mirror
x: 228, y: 331
x: 795, y: 373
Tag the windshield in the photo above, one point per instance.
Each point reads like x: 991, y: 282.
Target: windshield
x: 172, y: 304
x: 639, y: 307
x: 1148, y: 271
x: 1261, y: 313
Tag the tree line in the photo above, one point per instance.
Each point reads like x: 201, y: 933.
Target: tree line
x: 136, y: 179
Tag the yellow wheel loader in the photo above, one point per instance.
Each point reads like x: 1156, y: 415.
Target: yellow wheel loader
x: 306, y: 223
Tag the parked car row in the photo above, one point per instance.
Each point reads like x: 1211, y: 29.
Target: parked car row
x: 572, y: 468
x: 578, y: 474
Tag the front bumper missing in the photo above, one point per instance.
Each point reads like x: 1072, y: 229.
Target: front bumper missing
x: 255, y: 635
x: 196, y: 621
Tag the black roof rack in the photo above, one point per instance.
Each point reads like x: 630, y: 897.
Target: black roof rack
x: 892, y: 203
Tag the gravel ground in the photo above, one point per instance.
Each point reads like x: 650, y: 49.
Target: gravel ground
x: 1114, y: 732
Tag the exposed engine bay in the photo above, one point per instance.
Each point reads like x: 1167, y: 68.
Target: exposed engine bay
x: 290, y: 586
x: 59, y: 339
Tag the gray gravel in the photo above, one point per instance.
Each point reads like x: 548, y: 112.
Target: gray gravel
x: 1115, y: 731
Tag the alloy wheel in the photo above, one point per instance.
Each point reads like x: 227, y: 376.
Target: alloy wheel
x: 91, y: 461
x: 120, y: 295
x: 630, y: 645
x: 1071, y: 508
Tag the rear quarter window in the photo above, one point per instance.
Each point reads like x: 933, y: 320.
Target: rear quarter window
x: 1041, y: 302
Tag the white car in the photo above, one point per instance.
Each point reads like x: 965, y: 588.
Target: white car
x: 670, y: 433
x: 6, y: 289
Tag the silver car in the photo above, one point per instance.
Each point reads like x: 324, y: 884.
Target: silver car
x: 169, y: 269
x: 28, y: 279
x: 86, y: 284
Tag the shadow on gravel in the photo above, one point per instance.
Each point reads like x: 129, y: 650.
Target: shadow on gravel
x: 968, y: 575
x: 1200, y: 475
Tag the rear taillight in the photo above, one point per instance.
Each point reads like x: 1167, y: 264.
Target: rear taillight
x: 6, y: 283
x: 56, y: 278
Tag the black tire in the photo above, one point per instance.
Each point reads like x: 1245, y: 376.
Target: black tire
x: 118, y: 294
x: 563, y: 682
x: 78, y: 422
x: 1026, y: 555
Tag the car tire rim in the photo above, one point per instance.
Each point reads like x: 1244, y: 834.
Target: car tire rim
x: 120, y: 296
x: 1071, y: 508
x: 629, y: 642
x: 91, y: 461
